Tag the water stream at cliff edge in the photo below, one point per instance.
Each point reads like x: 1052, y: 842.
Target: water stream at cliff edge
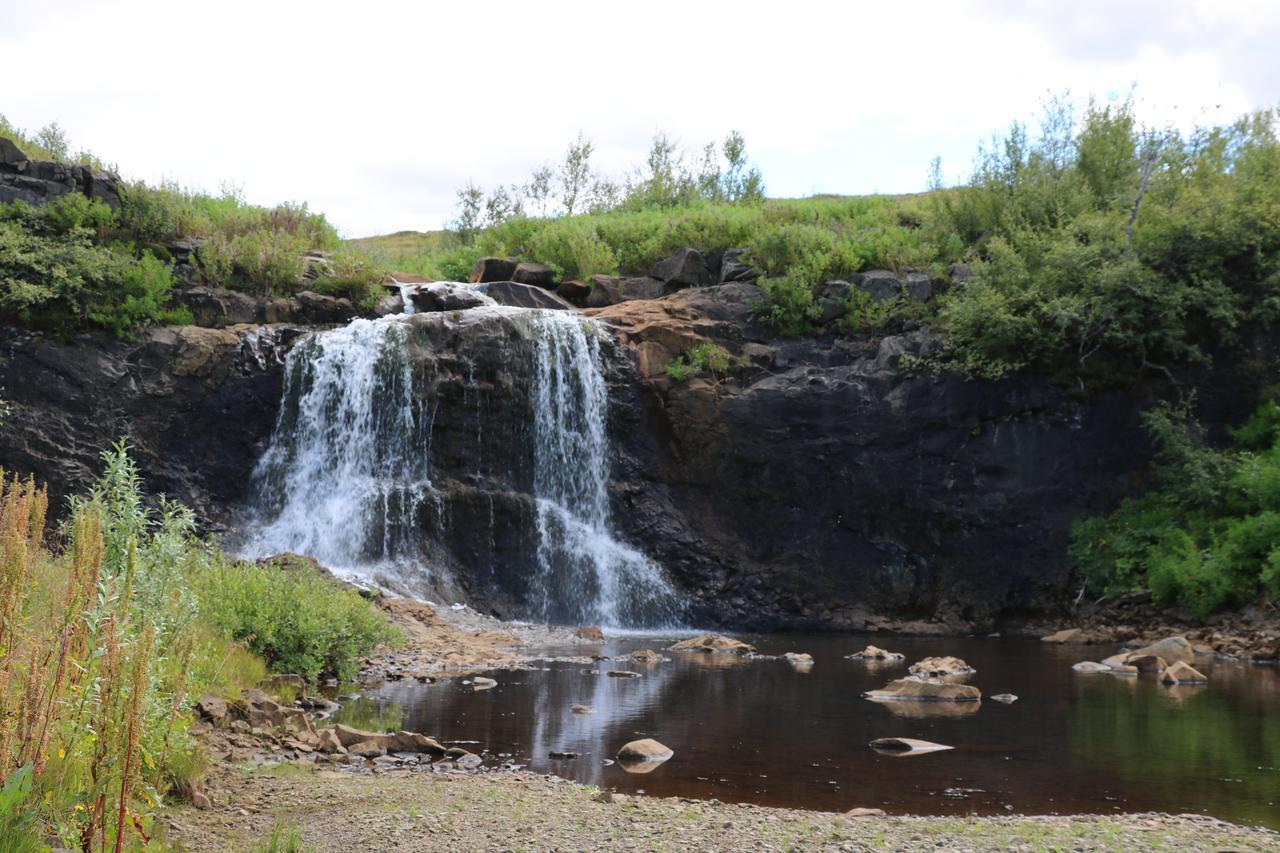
x: 347, y: 474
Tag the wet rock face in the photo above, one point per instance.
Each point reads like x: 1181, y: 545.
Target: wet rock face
x: 195, y: 404
x: 823, y: 484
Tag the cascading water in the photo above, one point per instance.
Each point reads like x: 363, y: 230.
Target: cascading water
x: 347, y: 477
x: 584, y: 573
x: 347, y: 468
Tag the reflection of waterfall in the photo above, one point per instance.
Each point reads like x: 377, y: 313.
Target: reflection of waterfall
x: 584, y: 574
x: 349, y: 478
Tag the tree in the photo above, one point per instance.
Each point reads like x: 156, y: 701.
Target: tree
x: 538, y: 190
x: 470, y: 200
x: 575, y: 173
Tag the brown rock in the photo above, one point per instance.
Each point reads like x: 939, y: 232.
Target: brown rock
x: 713, y: 643
x: 1181, y: 672
x: 574, y: 290
x: 201, y: 801
x: 645, y: 750
x: 917, y: 689
x: 1069, y: 635
x: 876, y: 653
x: 864, y: 813
x: 646, y: 656
x: 212, y: 708
x: 590, y: 633
x: 1146, y: 663
x: 937, y: 667
x: 1172, y: 649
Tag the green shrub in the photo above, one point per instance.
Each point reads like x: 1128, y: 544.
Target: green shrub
x: 707, y: 357
x: 297, y: 620
x: 269, y: 261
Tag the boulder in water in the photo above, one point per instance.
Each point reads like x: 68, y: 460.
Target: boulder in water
x: 1181, y: 672
x: 939, y: 667
x: 581, y: 709
x: 713, y: 643
x: 877, y: 653
x: 647, y: 656
x: 519, y: 295
x: 1147, y: 662
x: 646, y: 750
x: 1006, y: 698
x: 864, y: 813
x: 1068, y: 635
x: 480, y: 682
x: 1171, y: 649
x: 1089, y: 666
x: 492, y: 269
x: 622, y: 673
x: 918, y: 689
x: 799, y: 659
x: 906, y: 745
x: 590, y: 633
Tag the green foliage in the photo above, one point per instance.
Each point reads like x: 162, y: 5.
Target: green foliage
x: 1209, y: 535
x: 706, y: 357
x: 298, y: 621
x: 864, y: 313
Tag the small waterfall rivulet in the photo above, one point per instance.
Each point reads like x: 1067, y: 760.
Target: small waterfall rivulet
x: 348, y: 475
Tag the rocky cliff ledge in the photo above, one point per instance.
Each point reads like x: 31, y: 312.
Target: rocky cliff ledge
x: 822, y: 484
x: 817, y: 483
x: 196, y: 404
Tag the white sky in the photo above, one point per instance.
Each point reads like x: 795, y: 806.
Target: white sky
x: 375, y: 112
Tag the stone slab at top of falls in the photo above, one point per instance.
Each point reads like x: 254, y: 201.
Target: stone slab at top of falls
x: 457, y: 454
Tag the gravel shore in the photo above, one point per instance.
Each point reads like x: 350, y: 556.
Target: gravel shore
x: 336, y: 810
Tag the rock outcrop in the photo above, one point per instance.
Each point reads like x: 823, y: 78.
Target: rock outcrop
x: 40, y: 181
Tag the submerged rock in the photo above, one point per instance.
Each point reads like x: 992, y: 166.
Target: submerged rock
x: 713, y: 643
x: 1006, y: 698
x: 938, y: 667
x: 1090, y: 666
x: 1069, y: 635
x: 799, y: 659
x: 622, y: 673
x: 918, y: 689
x: 906, y: 745
x: 581, y: 709
x: 646, y: 656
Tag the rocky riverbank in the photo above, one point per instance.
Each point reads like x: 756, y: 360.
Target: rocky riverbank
x: 332, y: 810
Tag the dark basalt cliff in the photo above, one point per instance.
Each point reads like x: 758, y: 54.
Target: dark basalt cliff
x: 819, y: 484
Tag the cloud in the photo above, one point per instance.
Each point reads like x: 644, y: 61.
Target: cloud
x: 375, y: 113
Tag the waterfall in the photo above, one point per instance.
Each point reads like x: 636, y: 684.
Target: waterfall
x: 346, y: 471
x: 584, y: 574
x: 348, y: 479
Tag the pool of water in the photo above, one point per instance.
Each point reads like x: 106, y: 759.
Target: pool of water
x: 762, y: 731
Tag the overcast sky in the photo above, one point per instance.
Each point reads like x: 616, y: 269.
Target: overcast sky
x: 375, y: 112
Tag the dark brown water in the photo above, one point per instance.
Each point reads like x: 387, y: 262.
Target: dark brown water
x: 763, y: 732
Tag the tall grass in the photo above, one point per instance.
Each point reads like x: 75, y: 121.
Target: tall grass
x: 110, y: 625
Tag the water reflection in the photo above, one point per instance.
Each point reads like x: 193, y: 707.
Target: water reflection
x: 761, y: 731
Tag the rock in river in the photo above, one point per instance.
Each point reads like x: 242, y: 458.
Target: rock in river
x: 1183, y: 673
x: 938, y: 667
x: 645, y: 751
x: 713, y: 643
x: 1172, y: 649
x: 876, y: 653
x: 1090, y: 666
x: 916, y: 689
x: 906, y: 745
